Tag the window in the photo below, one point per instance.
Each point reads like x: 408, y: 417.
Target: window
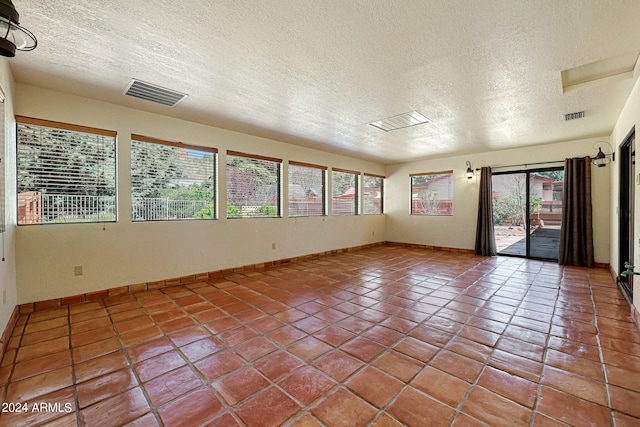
x: 372, y: 194
x: 306, y: 189
x: 432, y: 193
x: 344, y: 192
x: 171, y: 181
x: 3, y: 171
x: 253, y: 186
x: 65, y: 173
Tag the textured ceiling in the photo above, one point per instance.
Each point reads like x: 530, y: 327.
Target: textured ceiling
x: 314, y: 73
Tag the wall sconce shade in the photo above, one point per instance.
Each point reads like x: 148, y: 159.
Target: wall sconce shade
x: 601, y: 159
x: 12, y: 36
x: 469, y: 173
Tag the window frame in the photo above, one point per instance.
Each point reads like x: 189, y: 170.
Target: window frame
x: 411, y: 198
x: 356, y: 201
x: 182, y: 145
x: 364, y: 198
x: 68, y: 127
x: 277, y: 161
x: 323, y: 196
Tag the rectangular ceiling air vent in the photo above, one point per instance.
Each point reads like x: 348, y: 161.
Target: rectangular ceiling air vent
x: 573, y: 116
x: 401, y: 121
x: 153, y: 93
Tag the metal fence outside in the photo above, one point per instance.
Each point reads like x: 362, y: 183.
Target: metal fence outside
x: 155, y: 209
x: 38, y: 208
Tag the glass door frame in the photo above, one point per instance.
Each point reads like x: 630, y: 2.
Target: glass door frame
x: 626, y: 240
x: 527, y: 226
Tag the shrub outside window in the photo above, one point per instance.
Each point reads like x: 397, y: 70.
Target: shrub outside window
x: 65, y: 173
x: 373, y: 194
x: 171, y: 181
x: 306, y: 190
x: 344, y: 192
x: 253, y: 186
x: 432, y: 193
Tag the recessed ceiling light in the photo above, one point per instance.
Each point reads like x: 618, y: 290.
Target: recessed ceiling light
x: 401, y: 121
x: 153, y: 93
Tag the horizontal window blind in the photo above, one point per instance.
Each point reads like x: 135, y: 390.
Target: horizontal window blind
x: 253, y: 186
x: 171, y: 181
x: 306, y: 190
x: 344, y: 192
x: 373, y: 194
x: 432, y: 193
x: 65, y: 173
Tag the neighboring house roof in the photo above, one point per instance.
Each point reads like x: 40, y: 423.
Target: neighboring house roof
x: 349, y: 194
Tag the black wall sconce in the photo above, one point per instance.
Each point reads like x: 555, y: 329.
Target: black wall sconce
x: 12, y: 36
x: 469, y: 173
x: 601, y: 160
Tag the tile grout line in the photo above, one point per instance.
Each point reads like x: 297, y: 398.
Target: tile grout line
x: 317, y: 291
x: 546, y: 350
x: 73, y: 371
x: 427, y: 363
x: 600, y: 353
x: 488, y: 358
x: 13, y: 363
x: 155, y: 409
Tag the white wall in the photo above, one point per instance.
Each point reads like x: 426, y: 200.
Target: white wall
x: 8, y: 238
x: 626, y: 122
x: 125, y: 253
x: 459, y: 230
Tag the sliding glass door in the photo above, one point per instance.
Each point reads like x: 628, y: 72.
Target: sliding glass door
x: 527, y: 212
x: 626, y: 226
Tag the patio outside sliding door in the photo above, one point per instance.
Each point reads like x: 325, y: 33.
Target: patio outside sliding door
x: 527, y: 212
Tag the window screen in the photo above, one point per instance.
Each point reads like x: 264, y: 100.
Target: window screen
x: 372, y: 194
x: 171, y: 181
x: 306, y: 190
x: 344, y: 192
x: 253, y: 186
x: 65, y: 173
x: 432, y: 193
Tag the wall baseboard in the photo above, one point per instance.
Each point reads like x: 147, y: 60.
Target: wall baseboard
x: 197, y: 277
x: 219, y: 274
x: 635, y: 315
x: 32, y: 307
x: 612, y: 272
x: 429, y: 247
x: 8, y: 331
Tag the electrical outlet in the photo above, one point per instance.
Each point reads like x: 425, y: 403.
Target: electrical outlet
x: 77, y: 270
x: 4, y: 296
x: 273, y: 246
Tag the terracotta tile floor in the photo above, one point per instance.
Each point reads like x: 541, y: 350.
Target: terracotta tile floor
x: 384, y: 337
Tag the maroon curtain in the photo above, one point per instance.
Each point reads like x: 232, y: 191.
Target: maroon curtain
x: 485, y: 239
x: 576, y: 235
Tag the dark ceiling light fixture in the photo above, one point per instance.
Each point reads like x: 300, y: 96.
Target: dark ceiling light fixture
x: 601, y: 160
x: 12, y: 35
x: 469, y: 173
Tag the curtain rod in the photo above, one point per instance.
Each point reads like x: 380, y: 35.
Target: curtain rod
x: 526, y: 164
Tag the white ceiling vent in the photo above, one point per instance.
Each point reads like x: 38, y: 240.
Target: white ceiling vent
x: 573, y: 116
x: 153, y: 93
x: 412, y: 118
